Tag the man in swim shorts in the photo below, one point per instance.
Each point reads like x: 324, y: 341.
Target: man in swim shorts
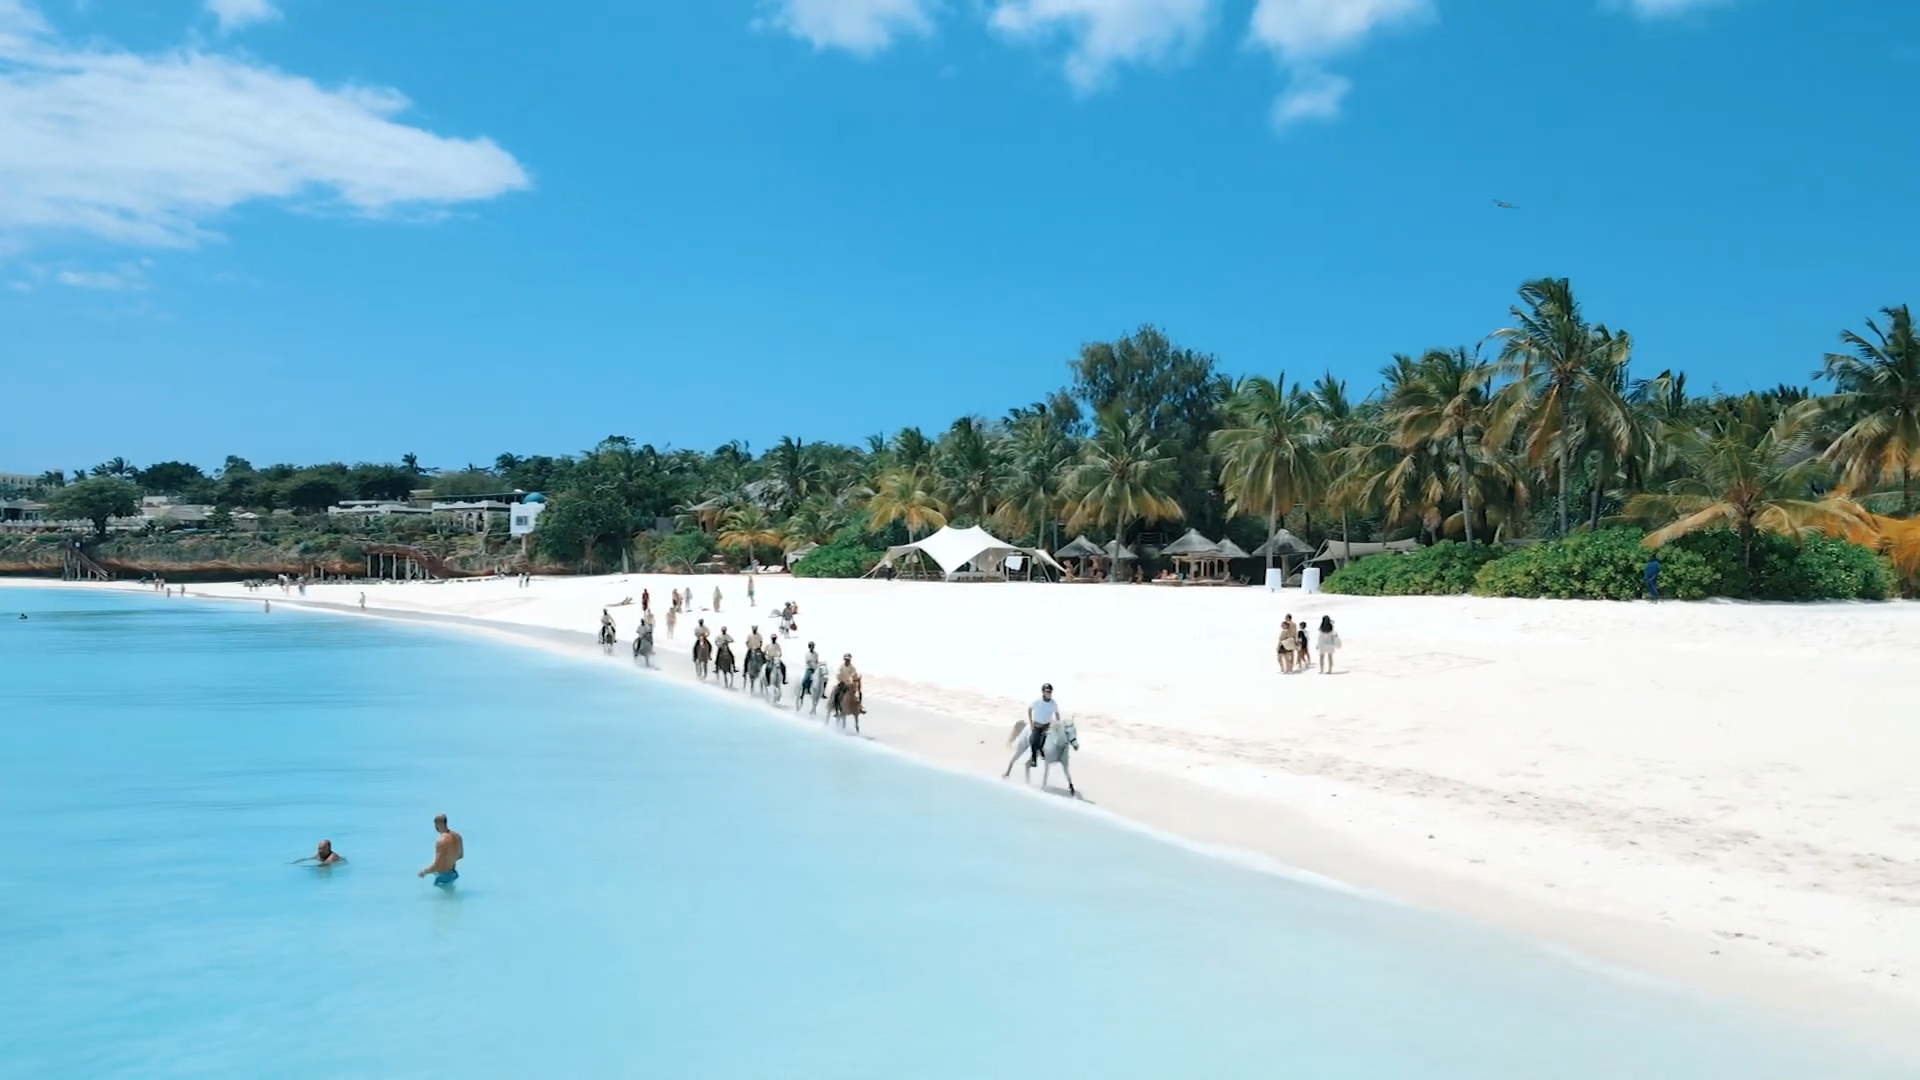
x: 448, y: 850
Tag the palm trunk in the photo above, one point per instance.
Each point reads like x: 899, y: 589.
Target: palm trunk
x: 1466, y: 490
x: 1563, y: 492
x: 1272, y: 527
x: 1906, y: 489
x: 1746, y: 559
x: 1564, y: 461
x: 1593, y: 517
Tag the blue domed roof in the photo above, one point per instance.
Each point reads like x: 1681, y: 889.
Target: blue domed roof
x: 533, y: 496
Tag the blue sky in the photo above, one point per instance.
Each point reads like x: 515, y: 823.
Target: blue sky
x: 340, y: 229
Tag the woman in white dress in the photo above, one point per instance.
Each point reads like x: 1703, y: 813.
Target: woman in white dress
x: 1328, y: 643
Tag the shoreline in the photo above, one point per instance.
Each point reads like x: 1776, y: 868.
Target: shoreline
x: 1210, y: 802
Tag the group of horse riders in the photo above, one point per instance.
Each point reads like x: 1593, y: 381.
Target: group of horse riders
x: 1047, y: 740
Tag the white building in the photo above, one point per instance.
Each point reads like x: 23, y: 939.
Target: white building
x: 525, y: 515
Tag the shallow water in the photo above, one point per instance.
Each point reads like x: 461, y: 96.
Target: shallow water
x: 661, y: 883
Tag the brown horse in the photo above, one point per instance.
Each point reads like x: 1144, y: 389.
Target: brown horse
x: 723, y: 663
x: 702, y: 656
x: 847, y: 701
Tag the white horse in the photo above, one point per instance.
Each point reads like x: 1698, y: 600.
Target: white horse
x: 813, y: 687
x: 643, y: 644
x: 1061, y: 740
x: 776, y: 679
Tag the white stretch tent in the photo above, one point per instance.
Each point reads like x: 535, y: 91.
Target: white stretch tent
x: 951, y: 548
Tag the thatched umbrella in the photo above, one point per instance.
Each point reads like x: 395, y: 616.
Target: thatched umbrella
x: 1191, y: 545
x: 1079, y: 548
x: 1231, y: 550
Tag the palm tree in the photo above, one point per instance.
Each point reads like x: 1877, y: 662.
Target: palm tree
x: 748, y: 527
x: 53, y: 478
x: 1878, y: 392
x: 902, y: 495
x: 1339, y: 423
x: 968, y: 470
x: 1444, y: 406
x: 1748, y: 472
x: 798, y: 469
x: 1122, y: 476
x: 1039, y: 453
x: 118, y: 468
x: 1563, y: 371
x: 1269, y: 453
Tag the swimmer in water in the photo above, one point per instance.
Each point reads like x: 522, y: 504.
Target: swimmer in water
x: 448, y: 850
x: 324, y: 855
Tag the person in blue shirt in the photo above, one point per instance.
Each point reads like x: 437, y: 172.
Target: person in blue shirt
x: 1652, y: 578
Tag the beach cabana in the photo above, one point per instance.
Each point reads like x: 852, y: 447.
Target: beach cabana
x: 971, y: 554
x: 1285, y: 547
x: 1078, y: 548
x: 1199, y: 559
x: 800, y: 552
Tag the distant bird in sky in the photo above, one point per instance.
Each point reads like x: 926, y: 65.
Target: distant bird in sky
x: 1504, y: 205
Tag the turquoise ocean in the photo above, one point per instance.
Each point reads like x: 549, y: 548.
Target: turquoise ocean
x: 662, y: 883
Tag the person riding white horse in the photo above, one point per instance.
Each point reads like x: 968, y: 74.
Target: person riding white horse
x: 813, y: 678
x: 776, y: 670
x: 1045, y: 738
x: 643, y: 641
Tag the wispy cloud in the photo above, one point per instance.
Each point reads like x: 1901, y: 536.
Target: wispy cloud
x: 1106, y: 33
x: 862, y: 27
x: 128, y: 277
x: 1310, y: 95
x: 1664, y: 9
x: 234, y: 14
x: 146, y: 149
x: 1302, y: 34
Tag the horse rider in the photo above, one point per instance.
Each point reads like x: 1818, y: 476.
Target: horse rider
x: 811, y: 671
x: 846, y: 679
x: 1040, y: 717
x: 606, y: 625
x: 725, y: 638
x: 753, y: 639
x: 773, y: 653
x: 700, y: 632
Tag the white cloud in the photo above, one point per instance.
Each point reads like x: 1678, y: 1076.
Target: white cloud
x: 1311, y: 95
x: 125, y: 278
x: 862, y: 27
x: 1662, y: 9
x: 1106, y: 32
x: 1300, y: 33
x: 234, y: 14
x: 1300, y: 30
x: 143, y: 149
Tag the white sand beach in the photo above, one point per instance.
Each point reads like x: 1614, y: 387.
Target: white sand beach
x: 1721, y: 796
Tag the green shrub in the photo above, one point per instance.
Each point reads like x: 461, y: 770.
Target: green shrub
x: 1839, y: 570
x: 1445, y: 569
x: 681, y: 550
x: 1608, y: 564
x: 1603, y: 565
x: 837, y: 560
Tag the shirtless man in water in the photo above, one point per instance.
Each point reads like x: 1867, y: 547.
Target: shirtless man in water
x: 324, y: 855
x: 448, y: 850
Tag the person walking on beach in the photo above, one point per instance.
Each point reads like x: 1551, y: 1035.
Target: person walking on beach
x: 1301, y: 656
x: 750, y: 600
x: 646, y: 600
x: 448, y: 850
x: 673, y: 618
x: 1651, y: 578
x: 1329, y: 644
x: 716, y: 598
x: 1040, y: 717
x: 363, y: 601
x: 1288, y: 643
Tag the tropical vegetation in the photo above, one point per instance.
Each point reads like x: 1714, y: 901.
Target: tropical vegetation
x: 1538, y: 462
